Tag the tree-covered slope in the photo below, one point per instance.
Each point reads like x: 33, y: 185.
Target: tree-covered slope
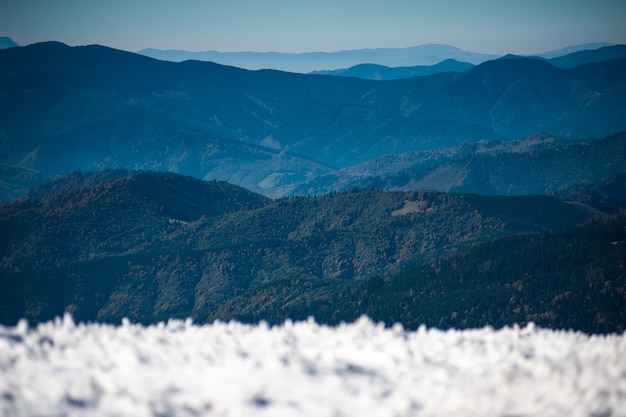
x: 573, y: 279
x: 540, y: 164
x: 86, y: 216
x: 147, y: 245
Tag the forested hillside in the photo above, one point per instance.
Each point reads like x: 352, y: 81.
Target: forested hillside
x: 152, y: 245
x: 573, y: 279
x: 540, y: 164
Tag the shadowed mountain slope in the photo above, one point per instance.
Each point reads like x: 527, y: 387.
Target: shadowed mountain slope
x: 540, y: 164
x: 64, y: 109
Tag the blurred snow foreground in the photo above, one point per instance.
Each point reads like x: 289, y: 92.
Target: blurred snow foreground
x: 306, y: 369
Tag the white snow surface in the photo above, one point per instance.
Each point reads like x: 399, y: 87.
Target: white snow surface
x: 177, y: 368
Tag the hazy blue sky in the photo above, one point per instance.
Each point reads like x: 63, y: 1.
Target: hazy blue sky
x: 521, y: 26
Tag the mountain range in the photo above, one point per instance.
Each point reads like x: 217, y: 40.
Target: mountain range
x: 147, y: 246
x: 381, y: 72
x: 422, y: 55
x: 539, y: 164
x: 66, y: 109
x: 429, y: 54
x: 149, y: 189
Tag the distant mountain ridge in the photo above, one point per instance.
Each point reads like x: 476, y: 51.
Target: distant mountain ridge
x: 429, y: 54
x: 570, y: 60
x: 90, y: 108
x: 422, y: 55
x: 572, y: 49
x: 589, y: 56
x: 381, y: 72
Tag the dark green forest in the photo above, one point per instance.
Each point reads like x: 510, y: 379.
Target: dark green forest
x: 572, y: 279
x: 150, y: 246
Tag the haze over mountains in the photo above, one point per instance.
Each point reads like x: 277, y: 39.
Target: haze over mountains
x: 430, y: 54
x: 422, y: 55
x: 540, y: 164
x: 381, y: 72
x: 89, y: 108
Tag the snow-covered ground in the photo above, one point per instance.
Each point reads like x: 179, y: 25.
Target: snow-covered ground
x: 306, y: 369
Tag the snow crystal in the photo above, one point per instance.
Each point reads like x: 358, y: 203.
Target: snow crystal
x: 177, y: 368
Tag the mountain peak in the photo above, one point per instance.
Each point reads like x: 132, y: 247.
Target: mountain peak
x: 513, y: 56
x: 6, y: 42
